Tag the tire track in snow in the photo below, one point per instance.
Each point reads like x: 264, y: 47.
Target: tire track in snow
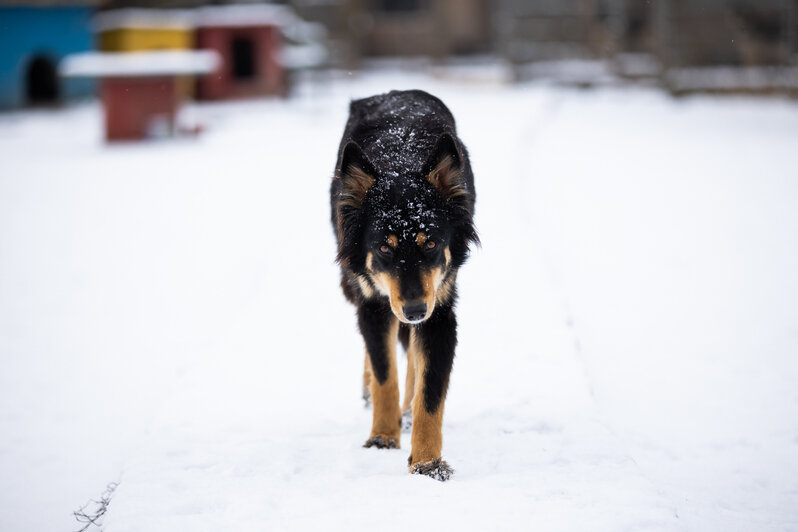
x: 533, y: 128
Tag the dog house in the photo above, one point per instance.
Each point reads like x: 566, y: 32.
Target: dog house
x: 140, y: 90
x: 142, y: 30
x: 248, y: 38
x: 34, y: 37
x: 147, y: 30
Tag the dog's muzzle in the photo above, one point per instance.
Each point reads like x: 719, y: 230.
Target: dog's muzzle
x: 415, y: 311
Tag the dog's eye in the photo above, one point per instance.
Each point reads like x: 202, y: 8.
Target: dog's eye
x: 430, y: 244
x: 385, y: 249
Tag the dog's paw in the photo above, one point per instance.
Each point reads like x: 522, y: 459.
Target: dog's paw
x: 381, y: 442
x: 437, y: 469
x: 366, y: 397
x: 407, y: 421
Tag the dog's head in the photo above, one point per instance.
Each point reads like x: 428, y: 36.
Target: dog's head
x: 405, y: 236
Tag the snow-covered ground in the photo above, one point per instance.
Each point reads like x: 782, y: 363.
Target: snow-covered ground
x: 170, y: 319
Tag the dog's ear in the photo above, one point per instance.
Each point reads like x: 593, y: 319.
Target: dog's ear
x: 444, y: 168
x: 356, y: 174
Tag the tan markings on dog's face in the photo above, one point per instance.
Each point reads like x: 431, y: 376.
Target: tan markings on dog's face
x: 392, y: 241
x: 382, y: 281
x: 388, y: 285
x: 435, y: 285
x: 431, y: 281
x: 365, y: 287
x: 444, y: 293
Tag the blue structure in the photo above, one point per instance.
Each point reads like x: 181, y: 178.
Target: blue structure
x: 32, y: 42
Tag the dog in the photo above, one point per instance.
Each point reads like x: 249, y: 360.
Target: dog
x: 402, y: 201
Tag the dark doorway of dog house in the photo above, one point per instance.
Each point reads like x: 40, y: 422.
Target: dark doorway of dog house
x: 243, y: 58
x: 401, y: 6
x: 41, y: 83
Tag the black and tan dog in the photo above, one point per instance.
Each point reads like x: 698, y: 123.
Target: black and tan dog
x: 402, y: 210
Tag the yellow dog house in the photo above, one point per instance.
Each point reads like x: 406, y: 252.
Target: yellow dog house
x: 144, y: 30
x: 147, y: 30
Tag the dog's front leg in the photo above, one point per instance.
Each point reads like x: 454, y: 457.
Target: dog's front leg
x: 379, y: 328
x: 433, y: 342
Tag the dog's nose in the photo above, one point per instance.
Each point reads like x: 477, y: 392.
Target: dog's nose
x: 415, y: 311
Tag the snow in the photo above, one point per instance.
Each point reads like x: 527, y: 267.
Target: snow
x: 573, y: 71
x: 299, y: 56
x: 170, y: 319
x: 131, y: 17
x: 137, y: 64
x: 731, y: 78
x: 244, y: 15
x: 227, y: 15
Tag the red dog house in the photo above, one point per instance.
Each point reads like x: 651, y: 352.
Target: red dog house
x: 139, y: 89
x: 139, y: 107
x: 249, y: 40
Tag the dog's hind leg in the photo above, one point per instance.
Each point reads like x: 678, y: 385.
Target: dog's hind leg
x: 379, y: 328
x: 410, y: 388
x: 433, y: 342
x: 367, y: 381
x: 404, y: 336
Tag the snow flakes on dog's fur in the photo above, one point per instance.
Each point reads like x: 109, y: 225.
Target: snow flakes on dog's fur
x: 406, y: 221
x: 395, y: 150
